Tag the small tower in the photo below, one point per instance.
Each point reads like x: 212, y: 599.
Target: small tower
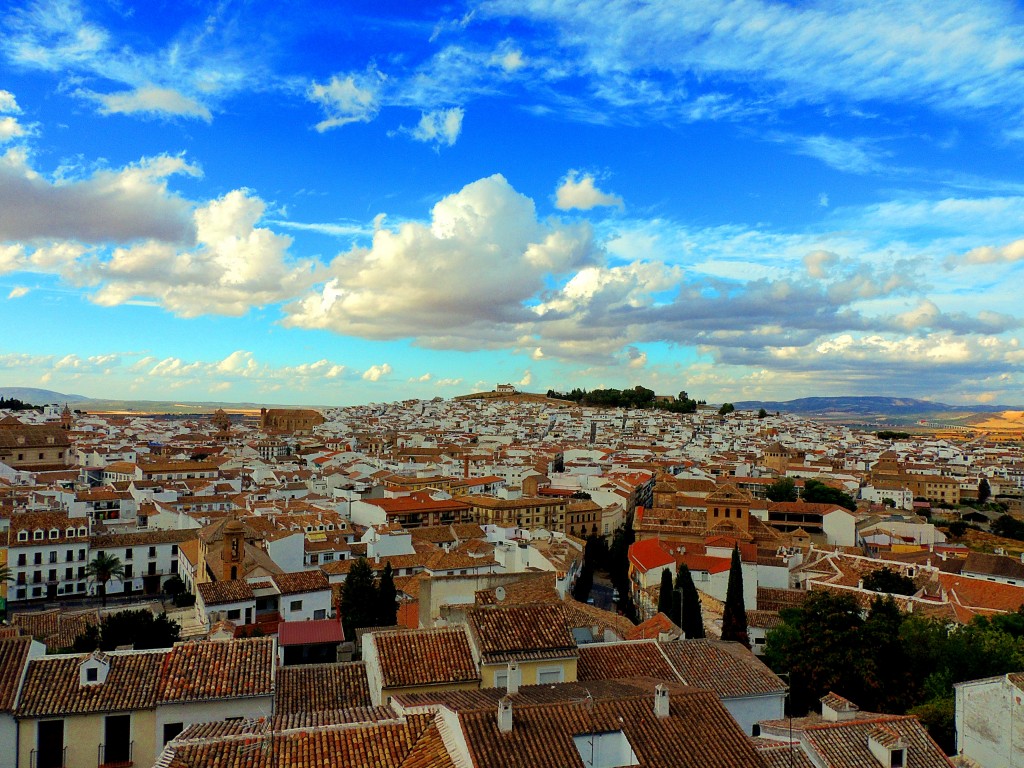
x: 233, y: 554
x: 67, y: 421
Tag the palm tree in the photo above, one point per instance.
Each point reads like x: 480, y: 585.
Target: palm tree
x: 102, y: 569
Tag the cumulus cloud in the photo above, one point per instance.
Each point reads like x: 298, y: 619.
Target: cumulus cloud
x: 126, y: 204
x: 579, y: 191
x: 442, y: 126
x: 994, y: 255
x: 149, y: 99
x: 461, y: 279
x: 376, y: 372
x: 235, y: 265
x: 8, y: 104
x: 10, y: 128
x: 350, y: 98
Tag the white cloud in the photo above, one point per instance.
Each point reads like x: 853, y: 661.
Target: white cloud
x: 10, y: 128
x: 579, y: 192
x: 235, y: 265
x: 461, y: 279
x: 8, y: 104
x: 17, y: 292
x: 149, y: 99
x: 850, y: 155
x: 527, y: 379
x: 351, y: 98
x: 823, y: 200
x: 939, y: 53
x: 442, y: 126
x: 993, y: 255
x: 109, y: 205
x: 376, y: 372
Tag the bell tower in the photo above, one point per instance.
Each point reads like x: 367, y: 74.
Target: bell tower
x: 233, y: 553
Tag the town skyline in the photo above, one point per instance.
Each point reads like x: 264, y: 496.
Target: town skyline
x: 759, y: 201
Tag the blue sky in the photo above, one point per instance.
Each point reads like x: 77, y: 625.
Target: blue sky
x: 296, y: 203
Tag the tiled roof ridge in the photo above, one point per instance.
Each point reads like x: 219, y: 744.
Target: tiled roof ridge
x: 877, y: 719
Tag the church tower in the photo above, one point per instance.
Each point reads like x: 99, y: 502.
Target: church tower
x: 232, y: 555
x: 67, y: 422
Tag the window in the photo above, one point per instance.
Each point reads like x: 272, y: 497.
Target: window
x: 174, y: 549
x: 547, y: 675
x: 127, y: 572
x: 295, y: 605
x: 171, y: 730
x: 21, y: 559
x: 234, y: 614
x: 37, y: 558
x: 82, y: 531
x: 152, y: 551
x: 128, y: 554
x: 69, y: 532
x: 320, y: 613
x: 53, y: 556
x: 68, y: 574
x: 91, y: 674
x: 54, y: 533
x: 69, y: 555
x: 37, y: 535
x: 81, y: 554
x: 22, y: 535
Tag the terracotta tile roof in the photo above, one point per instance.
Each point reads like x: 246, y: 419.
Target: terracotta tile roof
x: 52, y: 685
x: 142, y: 538
x: 846, y: 743
x: 782, y: 754
x: 209, y: 670
x: 501, y: 633
x: 55, y: 628
x: 658, y: 624
x: 728, y: 669
x: 425, y: 657
x: 650, y: 554
x: 13, y: 658
x: 977, y: 594
x: 775, y: 599
x: 221, y: 592
x: 528, y: 590
x: 317, y: 631
x: 698, y: 732
x: 579, y: 614
x: 412, y: 742
x: 321, y: 687
x: 300, y: 581
x: 602, y: 661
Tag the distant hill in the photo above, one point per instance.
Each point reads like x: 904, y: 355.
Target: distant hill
x: 39, y: 396
x: 866, y: 407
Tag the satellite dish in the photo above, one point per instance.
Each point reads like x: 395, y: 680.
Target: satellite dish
x: 499, y: 593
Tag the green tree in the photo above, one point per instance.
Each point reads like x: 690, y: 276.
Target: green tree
x: 984, y: 490
x: 783, y: 489
x: 138, y: 628
x: 889, y: 581
x: 102, y: 569
x: 692, y: 619
x: 887, y: 683
x: 358, y: 599
x: 665, y: 593
x: 726, y: 409
x: 762, y: 414
x: 387, y: 597
x: 818, y: 645
x: 1008, y: 527
x: 734, y: 616
x: 816, y: 492
x: 677, y: 606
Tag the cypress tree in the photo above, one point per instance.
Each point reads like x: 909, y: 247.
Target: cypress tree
x: 734, y: 619
x: 387, y: 596
x: 692, y: 620
x: 358, y: 599
x: 665, y: 593
x: 984, y: 490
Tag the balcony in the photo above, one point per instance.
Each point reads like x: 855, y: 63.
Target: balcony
x: 115, y: 756
x: 48, y: 758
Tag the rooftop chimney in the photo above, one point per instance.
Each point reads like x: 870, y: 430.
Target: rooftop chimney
x: 505, y: 715
x: 661, y: 701
x: 513, y: 678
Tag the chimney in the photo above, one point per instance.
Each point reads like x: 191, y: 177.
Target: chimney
x: 661, y: 701
x: 505, y: 715
x: 513, y: 678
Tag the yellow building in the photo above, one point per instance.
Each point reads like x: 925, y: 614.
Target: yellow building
x: 523, y: 644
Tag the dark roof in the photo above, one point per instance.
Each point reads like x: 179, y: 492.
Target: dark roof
x: 601, y: 661
x: 13, y: 657
x: 310, y: 632
x: 728, y: 669
x: 503, y: 632
x: 425, y: 657
x: 321, y: 688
